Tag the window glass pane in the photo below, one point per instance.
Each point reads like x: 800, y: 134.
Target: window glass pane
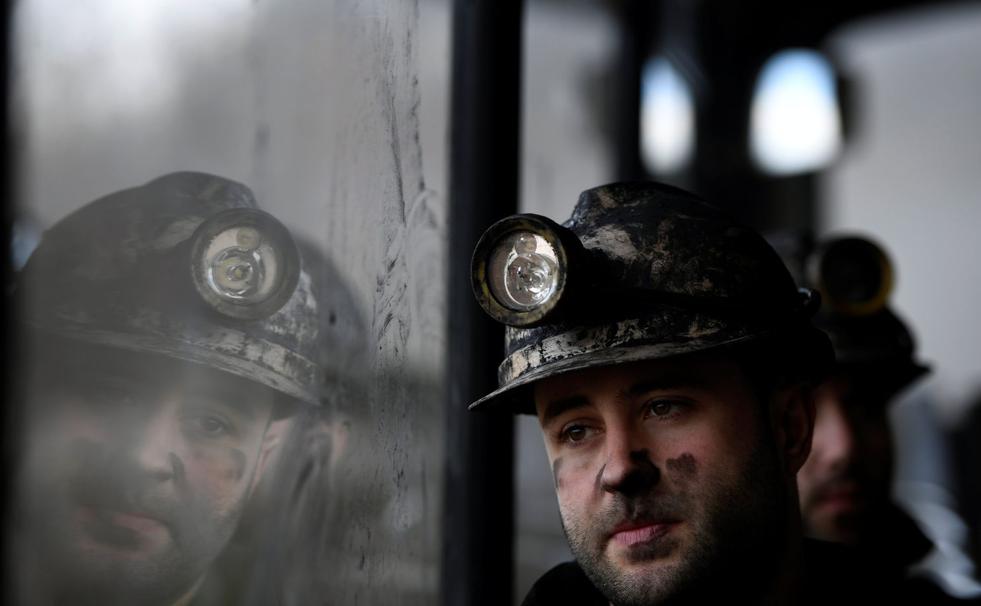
x: 220, y: 404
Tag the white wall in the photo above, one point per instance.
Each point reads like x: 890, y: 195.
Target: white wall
x: 912, y: 178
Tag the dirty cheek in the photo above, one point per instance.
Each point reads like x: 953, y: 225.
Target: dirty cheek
x: 221, y: 468
x: 567, y: 472
x: 682, y: 469
x: 556, y: 472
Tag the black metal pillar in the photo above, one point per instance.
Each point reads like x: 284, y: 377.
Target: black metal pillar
x: 477, y: 565
x: 732, y: 42
x: 8, y: 344
x: 636, y: 21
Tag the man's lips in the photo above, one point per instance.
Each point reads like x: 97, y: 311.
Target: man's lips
x: 125, y: 529
x: 135, y: 521
x: 845, y: 496
x: 633, y: 533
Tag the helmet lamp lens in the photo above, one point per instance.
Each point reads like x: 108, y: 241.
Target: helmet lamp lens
x: 524, y: 271
x: 236, y: 274
x: 854, y: 274
x: 246, y: 263
x: 520, y: 268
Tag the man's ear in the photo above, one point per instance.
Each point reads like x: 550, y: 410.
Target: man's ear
x: 269, y: 449
x: 793, y: 422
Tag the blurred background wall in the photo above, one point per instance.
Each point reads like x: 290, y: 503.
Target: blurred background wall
x: 909, y: 178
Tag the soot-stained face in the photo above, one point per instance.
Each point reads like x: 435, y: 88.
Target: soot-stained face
x: 667, y: 475
x: 845, y: 482
x: 136, y: 472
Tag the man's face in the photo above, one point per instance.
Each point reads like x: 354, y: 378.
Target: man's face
x: 847, y: 476
x: 667, y: 476
x: 136, y: 472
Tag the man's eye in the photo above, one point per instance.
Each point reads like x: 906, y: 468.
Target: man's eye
x: 574, y: 433
x: 212, y: 425
x: 209, y: 426
x: 662, y: 408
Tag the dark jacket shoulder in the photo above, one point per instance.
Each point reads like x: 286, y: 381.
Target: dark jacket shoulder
x: 564, y: 585
x: 844, y: 575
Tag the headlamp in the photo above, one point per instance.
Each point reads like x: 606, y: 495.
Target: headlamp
x: 244, y: 263
x: 854, y: 275
x: 520, y: 268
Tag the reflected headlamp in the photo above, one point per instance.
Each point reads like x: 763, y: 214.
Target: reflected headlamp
x: 853, y: 274
x: 520, y: 271
x: 244, y: 263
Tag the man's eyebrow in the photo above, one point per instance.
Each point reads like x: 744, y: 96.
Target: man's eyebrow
x: 228, y: 396
x: 672, y: 381
x: 557, y: 407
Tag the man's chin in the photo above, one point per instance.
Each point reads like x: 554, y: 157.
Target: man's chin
x: 640, y: 566
x: 837, y: 520
x: 630, y: 579
x: 118, y: 556
x: 112, y: 573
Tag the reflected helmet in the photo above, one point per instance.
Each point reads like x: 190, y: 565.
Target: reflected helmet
x: 184, y: 266
x: 640, y: 271
x: 855, y: 278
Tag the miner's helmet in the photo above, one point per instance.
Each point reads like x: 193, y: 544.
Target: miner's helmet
x: 640, y: 271
x: 855, y: 277
x: 343, y: 353
x: 185, y: 266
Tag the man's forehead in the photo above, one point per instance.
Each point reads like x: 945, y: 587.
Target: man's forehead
x: 854, y: 388
x: 143, y: 373
x: 624, y: 380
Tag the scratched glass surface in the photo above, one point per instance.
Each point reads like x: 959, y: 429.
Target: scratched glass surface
x: 166, y: 452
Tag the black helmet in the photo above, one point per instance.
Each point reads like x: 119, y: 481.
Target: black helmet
x: 640, y: 271
x: 855, y: 278
x: 185, y: 266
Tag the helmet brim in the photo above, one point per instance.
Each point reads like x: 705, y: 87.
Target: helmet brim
x: 222, y: 349
x: 515, y: 395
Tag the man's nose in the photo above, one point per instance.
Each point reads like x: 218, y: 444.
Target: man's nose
x: 155, y: 444
x: 628, y: 469
x: 835, y: 436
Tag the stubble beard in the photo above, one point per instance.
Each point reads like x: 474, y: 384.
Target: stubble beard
x: 78, y: 563
x: 735, y: 536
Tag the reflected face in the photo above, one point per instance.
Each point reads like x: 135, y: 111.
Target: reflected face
x: 846, y: 479
x: 137, y: 471
x: 666, y: 475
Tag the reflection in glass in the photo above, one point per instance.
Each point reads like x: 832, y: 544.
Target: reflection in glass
x: 345, y: 506
x: 150, y: 419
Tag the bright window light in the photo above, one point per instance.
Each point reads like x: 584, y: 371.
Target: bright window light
x: 794, y: 122
x: 667, y: 118
x: 118, y: 58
